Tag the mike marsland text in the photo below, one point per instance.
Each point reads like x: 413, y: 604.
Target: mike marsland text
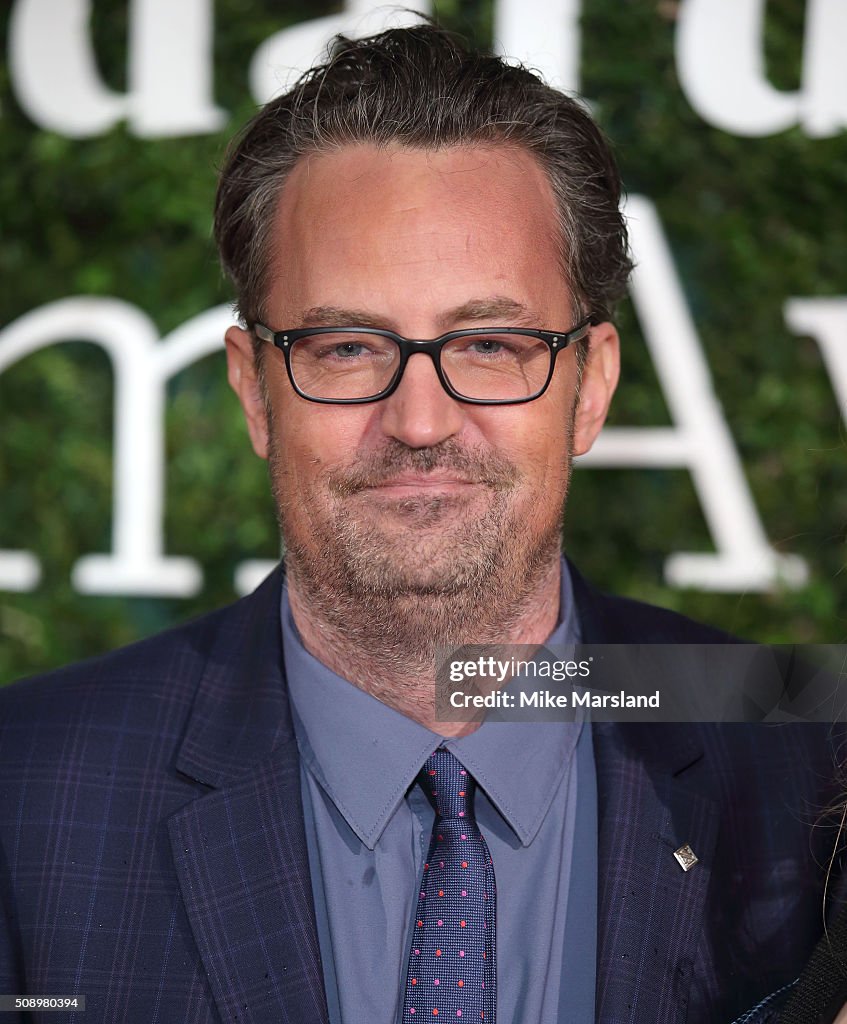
x: 545, y: 699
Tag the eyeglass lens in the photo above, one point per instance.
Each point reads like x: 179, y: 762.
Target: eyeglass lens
x: 487, y: 367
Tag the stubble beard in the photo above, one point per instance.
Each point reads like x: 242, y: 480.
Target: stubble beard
x: 385, y: 598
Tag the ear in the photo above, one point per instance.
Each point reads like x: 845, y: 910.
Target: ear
x: 599, y: 380
x: 244, y: 381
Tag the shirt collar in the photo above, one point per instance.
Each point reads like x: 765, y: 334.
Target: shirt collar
x: 365, y: 755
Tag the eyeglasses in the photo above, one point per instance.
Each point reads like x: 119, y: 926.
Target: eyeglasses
x: 483, y: 366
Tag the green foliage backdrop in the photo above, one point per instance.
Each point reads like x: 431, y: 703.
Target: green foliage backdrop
x: 751, y: 223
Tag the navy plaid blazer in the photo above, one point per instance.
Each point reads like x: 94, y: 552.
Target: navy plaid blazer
x: 153, y: 856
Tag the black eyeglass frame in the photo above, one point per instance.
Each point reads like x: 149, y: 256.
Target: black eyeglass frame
x: 556, y: 341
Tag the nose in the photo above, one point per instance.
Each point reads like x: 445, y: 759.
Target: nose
x: 420, y: 413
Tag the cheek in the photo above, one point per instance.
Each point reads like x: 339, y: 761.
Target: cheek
x: 547, y: 466
x: 537, y: 446
x: 311, y: 439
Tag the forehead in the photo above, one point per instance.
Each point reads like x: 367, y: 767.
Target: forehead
x: 412, y: 230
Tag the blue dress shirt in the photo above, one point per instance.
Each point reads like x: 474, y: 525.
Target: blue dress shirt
x: 368, y: 828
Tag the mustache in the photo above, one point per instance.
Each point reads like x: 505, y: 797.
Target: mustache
x: 476, y: 465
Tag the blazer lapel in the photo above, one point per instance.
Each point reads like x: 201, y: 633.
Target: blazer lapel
x: 652, y: 797
x: 650, y: 910
x: 240, y: 850
x: 240, y: 855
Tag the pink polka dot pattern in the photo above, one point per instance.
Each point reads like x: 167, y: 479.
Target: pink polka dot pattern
x: 452, y: 965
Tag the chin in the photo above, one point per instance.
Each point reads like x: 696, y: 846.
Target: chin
x: 421, y: 511
x: 422, y: 567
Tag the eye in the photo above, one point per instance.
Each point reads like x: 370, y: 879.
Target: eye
x: 344, y: 349
x: 492, y: 346
x: 349, y: 350
x: 487, y: 346
x: 349, y: 347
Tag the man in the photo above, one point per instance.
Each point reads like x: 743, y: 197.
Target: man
x: 260, y: 816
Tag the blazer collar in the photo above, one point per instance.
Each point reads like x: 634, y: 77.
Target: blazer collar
x: 603, y: 620
x: 594, y: 624
x: 240, y: 711
x: 650, y: 911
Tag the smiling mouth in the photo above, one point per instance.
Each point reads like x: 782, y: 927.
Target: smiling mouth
x: 425, y: 480
x: 421, y: 484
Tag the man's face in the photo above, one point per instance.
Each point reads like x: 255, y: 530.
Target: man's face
x: 418, y: 494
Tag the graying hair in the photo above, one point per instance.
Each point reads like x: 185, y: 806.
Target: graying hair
x: 421, y: 87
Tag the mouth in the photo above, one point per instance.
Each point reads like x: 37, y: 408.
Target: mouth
x: 421, y: 484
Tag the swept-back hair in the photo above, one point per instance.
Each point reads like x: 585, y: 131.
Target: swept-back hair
x: 421, y: 87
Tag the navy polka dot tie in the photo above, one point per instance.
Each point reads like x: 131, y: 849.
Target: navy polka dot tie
x: 452, y: 966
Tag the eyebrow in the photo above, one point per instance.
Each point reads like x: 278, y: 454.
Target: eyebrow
x: 494, y: 308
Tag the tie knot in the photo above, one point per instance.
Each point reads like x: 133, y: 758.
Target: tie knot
x: 448, y: 783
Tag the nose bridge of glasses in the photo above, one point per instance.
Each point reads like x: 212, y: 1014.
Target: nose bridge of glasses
x: 423, y: 346
x: 411, y: 347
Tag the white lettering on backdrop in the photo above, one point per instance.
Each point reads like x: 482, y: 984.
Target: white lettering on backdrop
x: 142, y: 365
x: 170, y: 73
x: 720, y: 62
x: 719, y: 57
x: 700, y: 440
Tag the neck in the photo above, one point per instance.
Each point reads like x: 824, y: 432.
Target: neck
x: 388, y: 645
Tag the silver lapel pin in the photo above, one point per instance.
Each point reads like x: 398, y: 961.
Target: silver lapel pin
x: 685, y: 857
